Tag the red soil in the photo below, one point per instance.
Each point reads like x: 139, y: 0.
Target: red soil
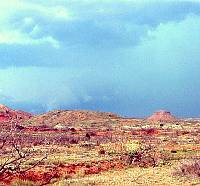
x: 63, y: 170
x: 7, y: 114
x: 150, y: 132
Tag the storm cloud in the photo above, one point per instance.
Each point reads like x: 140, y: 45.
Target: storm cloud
x: 126, y: 56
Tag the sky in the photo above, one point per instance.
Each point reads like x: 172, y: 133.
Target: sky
x: 130, y: 57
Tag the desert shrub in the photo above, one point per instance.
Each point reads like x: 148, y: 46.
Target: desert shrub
x: 150, y: 131
x: 16, y: 160
x: 88, y: 146
x: 189, y: 169
x: 92, y: 133
x: 145, y: 156
x: 19, y: 127
x: 72, y: 129
x: 37, y: 143
x: 173, y: 151
x: 73, y: 140
x: 185, y: 132
x: 134, y: 132
x: 101, y: 152
x: 87, y: 136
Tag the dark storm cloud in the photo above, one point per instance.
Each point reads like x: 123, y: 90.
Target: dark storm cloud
x: 127, y: 56
x: 62, y: 29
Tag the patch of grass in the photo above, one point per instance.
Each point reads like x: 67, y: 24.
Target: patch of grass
x: 178, y: 154
x: 23, y: 183
x: 120, y: 147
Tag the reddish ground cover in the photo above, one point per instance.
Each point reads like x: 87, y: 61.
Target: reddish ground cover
x: 58, y: 171
x: 8, y: 114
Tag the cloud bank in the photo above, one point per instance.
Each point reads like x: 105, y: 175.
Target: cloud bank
x: 126, y: 56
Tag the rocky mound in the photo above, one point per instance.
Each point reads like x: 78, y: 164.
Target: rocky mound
x: 162, y: 115
x: 7, y: 114
x: 68, y: 118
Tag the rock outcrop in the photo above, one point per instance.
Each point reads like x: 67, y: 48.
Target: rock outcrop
x: 7, y: 114
x: 161, y: 115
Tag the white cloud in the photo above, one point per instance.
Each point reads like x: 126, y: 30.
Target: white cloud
x: 60, y: 12
x: 16, y: 37
x: 57, y: 12
x: 82, y: 25
x: 28, y: 21
x: 10, y: 35
x: 9, y: 7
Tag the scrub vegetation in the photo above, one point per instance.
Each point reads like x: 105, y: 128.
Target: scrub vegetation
x: 93, y: 148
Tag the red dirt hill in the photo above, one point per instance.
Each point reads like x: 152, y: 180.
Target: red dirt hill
x: 68, y: 118
x: 162, y: 115
x: 7, y: 114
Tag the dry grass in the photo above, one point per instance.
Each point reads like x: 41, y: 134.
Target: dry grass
x: 121, y: 147
x: 23, y: 183
x: 131, y: 176
x: 174, y: 143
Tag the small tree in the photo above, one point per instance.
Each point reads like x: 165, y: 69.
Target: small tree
x: 14, y: 159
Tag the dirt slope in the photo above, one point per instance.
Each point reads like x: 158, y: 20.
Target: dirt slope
x: 66, y: 118
x: 7, y: 114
